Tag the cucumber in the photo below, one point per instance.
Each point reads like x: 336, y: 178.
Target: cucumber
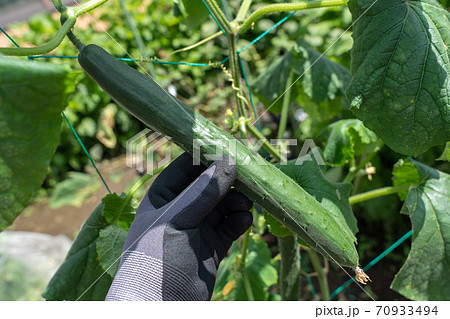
x: 259, y: 180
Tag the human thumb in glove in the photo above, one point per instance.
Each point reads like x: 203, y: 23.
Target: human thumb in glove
x: 183, y: 228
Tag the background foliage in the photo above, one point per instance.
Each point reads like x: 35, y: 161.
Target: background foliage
x: 318, y: 110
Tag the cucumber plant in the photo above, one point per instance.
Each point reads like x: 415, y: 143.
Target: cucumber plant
x: 399, y: 94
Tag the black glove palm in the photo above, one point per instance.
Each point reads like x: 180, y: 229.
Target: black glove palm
x: 183, y: 229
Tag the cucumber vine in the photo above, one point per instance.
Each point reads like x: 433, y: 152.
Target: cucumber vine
x: 240, y: 120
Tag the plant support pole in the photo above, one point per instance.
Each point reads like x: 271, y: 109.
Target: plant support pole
x: 234, y: 67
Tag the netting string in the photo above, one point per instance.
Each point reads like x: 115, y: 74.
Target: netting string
x: 373, y: 262
x: 86, y: 151
x: 11, y: 39
x: 71, y: 127
x: 212, y: 15
x: 262, y: 35
x: 308, y: 278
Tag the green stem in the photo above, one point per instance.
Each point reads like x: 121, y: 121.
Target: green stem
x: 137, y: 36
x: 219, y: 15
x: 243, y: 10
x: 86, y: 7
x: 135, y: 188
x: 245, y: 279
x: 232, y: 53
x: 321, y: 275
x: 215, y: 35
x: 242, y: 128
x: 280, y: 7
x: 235, y: 72
x: 353, y: 171
x: 247, y: 286
x: 289, y: 269
x: 234, y: 68
x: 285, y: 107
x: 70, y: 17
x: 59, y: 6
x: 244, y: 248
x: 44, y: 48
x: 257, y: 134
x: 377, y: 193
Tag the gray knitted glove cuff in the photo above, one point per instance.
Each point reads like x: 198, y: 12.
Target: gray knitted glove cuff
x: 144, y: 278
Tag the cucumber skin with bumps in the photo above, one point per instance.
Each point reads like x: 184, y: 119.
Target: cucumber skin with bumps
x: 260, y: 181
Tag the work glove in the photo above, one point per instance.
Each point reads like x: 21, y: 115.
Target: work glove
x: 183, y: 228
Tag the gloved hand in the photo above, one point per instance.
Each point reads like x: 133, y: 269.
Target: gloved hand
x: 182, y: 230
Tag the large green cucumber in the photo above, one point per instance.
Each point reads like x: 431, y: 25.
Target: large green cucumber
x: 258, y: 180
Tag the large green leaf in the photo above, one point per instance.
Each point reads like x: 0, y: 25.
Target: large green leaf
x: 320, y: 87
x: 347, y: 139
x: 426, y: 272
x: 32, y: 96
x: 321, y: 78
x: 81, y: 276
x: 261, y: 273
x: 401, y: 72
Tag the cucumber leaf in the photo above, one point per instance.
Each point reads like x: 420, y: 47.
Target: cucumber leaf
x: 110, y: 246
x: 320, y: 87
x: 347, y: 139
x: 94, y: 257
x: 81, y: 276
x: 322, y: 79
x: 272, y: 82
x: 275, y: 227
x: 112, y: 238
x: 260, y: 271
x: 32, y: 96
x: 405, y: 173
x: 113, y: 203
x: 401, y: 72
x: 426, y: 272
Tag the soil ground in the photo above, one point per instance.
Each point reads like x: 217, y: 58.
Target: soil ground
x: 67, y: 220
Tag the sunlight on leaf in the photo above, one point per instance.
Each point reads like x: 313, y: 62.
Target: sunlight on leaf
x: 32, y: 96
x: 401, y: 72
